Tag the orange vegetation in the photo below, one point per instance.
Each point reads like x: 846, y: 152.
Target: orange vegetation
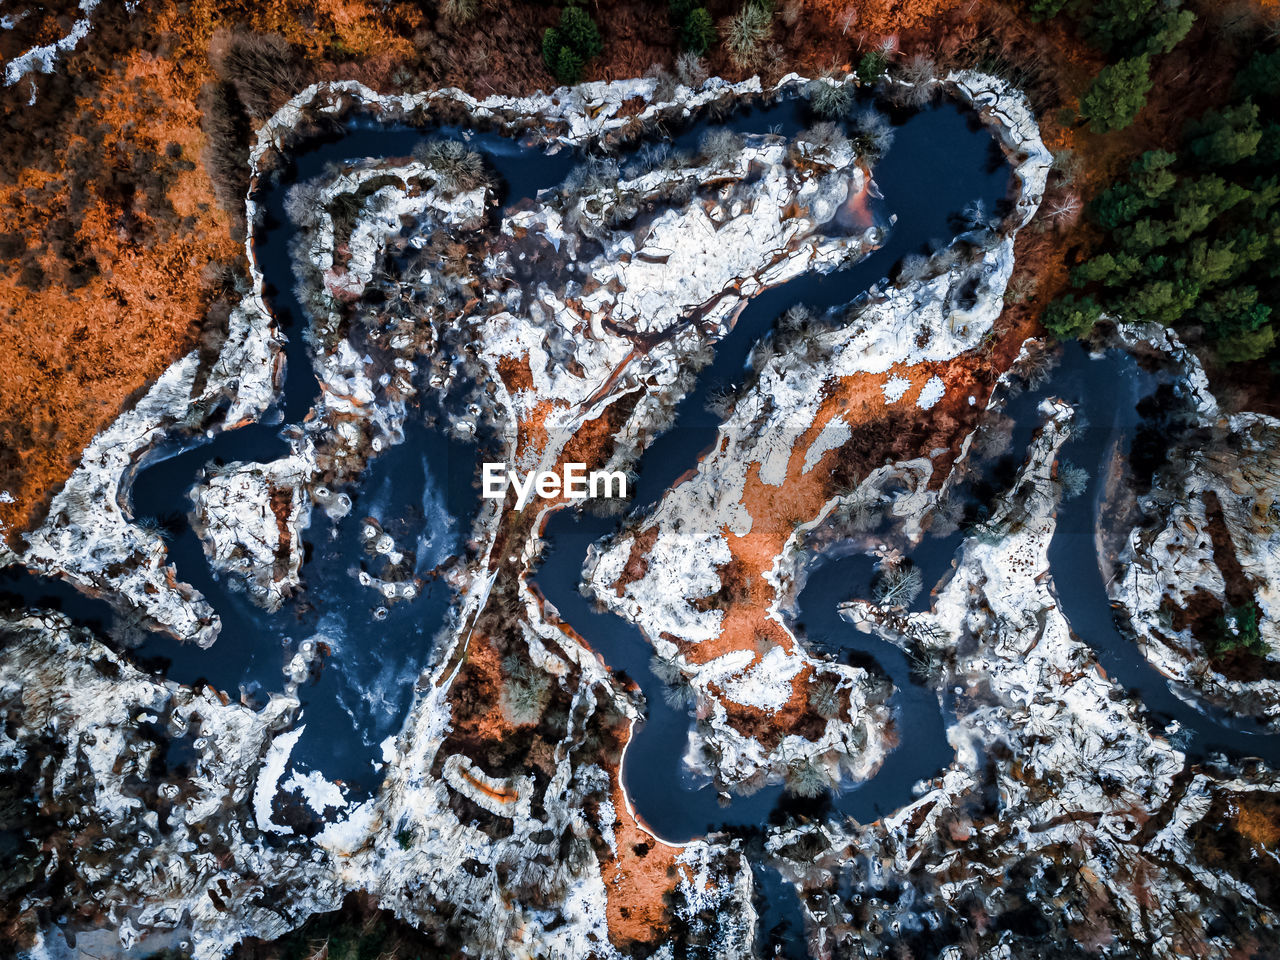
x: 106, y: 281
x: 502, y: 796
x: 884, y: 17
x: 1258, y: 819
x: 75, y: 348
x: 477, y: 714
x: 637, y: 878
x: 116, y: 249
x: 880, y: 431
x: 111, y: 222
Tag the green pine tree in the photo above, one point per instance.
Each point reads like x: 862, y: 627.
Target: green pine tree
x: 1069, y: 317
x: 698, y: 33
x: 1223, y: 137
x: 1117, y: 94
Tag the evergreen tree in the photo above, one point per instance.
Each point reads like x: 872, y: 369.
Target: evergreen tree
x: 1192, y: 236
x: 567, y: 48
x: 1150, y: 180
x: 698, y: 33
x: 1260, y: 78
x: 1071, y: 316
x: 1117, y: 94
x: 872, y: 66
x: 1247, y: 346
x: 1198, y: 202
x: 1223, y: 137
x: 1160, y: 301
x: 1046, y: 9
x: 1171, y: 28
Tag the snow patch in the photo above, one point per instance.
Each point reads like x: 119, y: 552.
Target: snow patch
x: 895, y: 388
x: 264, y: 791
x: 835, y: 434
x: 42, y: 59
x: 767, y: 685
x: 320, y: 794
x: 931, y: 393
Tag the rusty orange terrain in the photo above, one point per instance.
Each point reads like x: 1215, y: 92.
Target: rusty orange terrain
x: 638, y: 879
x: 77, y: 346
x: 898, y: 431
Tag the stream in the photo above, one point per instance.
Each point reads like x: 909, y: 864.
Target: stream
x: 422, y: 492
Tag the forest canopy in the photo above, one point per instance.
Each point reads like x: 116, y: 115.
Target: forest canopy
x: 1191, y: 234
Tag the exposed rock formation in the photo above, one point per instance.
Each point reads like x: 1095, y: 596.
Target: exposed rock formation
x: 1199, y: 573
x: 250, y: 517
x: 1061, y: 800
x: 501, y: 825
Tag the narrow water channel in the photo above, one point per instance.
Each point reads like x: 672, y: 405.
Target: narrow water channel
x: 421, y: 491
x: 675, y: 805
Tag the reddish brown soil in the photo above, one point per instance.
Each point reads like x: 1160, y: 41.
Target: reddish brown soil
x: 77, y: 346
x: 637, y: 880
x: 516, y: 373
x: 75, y: 352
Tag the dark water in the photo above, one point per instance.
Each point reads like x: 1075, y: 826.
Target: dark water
x: 1109, y: 392
x: 780, y: 931
x: 926, y: 197
x: 421, y: 491
x: 925, y: 193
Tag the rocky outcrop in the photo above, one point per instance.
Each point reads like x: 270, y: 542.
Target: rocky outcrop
x: 1099, y: 826
x: 1198, y: 575
x: 250, y: 518
x: 171, y: 815
x: 710, y: 521
x: 145, y: 798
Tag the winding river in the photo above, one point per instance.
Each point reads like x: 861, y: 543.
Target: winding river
x: 421, y: 491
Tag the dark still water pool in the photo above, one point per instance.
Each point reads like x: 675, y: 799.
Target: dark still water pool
x: 367, y: 654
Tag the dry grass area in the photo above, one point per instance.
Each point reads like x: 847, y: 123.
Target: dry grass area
x: 880, y: 431
x: 120, y: 240
x: 637, y: 880
x: 114, y: 253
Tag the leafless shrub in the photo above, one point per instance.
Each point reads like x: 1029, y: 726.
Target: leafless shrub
x: 525, y: 692
x: 897, y: 586
x: 1021, y: 288
x: 720, y: 401
x: 691, y: 70
x: 974, y: 216
x: 824, y: 135
x: 873, y: 134
x: 1036, y: 365
x: 773, y: 63
x: 664, y: 87
x: 913, y: 269
x: 824, y: 698
x: 226, y: 154
x: 1067, y: 164
x: 595, y: 175
x: 720, y: 147
x: 1062, y: 210
x: 456, y: 167
x: 915, y: 87
x: 1073, y: 480
x: 861, y: 509
x: 460, y: 11
x: 830, y: 100
x: 303, y: 204
x: 261, y: 66
x: 808, y: 778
